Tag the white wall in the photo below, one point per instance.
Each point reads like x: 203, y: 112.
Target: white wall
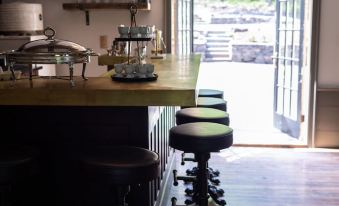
x: 70, y: 25
x: 329, y: 45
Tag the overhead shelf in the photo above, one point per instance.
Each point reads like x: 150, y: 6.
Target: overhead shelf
x: 89, y: 6
x: 86, y: 7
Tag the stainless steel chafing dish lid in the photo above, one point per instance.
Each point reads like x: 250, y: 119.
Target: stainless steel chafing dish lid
x: 50, y: 51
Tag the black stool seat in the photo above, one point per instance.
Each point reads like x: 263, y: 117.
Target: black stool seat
x: 211, y: 93
x: 123, y: 165
x: 200, y: 137
x: 212, y: 102
x: 16, y: 162
x: 200, y: 114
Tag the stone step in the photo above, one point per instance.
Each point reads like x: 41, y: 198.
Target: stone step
x: 217, y: 44
x: 199, y: 21
x: 218, y: 35
x: 218, y: 49
x: 218, y: 39
x: 218, y: 54
x: 219, y: 32
x: 217, y: 59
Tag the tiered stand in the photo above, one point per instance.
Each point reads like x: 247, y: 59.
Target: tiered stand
x: 133, y: 11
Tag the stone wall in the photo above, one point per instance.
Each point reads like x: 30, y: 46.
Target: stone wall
x: 240, y: 19
x: 259, y: 53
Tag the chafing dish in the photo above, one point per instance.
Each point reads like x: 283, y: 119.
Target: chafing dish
x: 50, y: 51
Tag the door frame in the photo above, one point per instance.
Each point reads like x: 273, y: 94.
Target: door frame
x: 314, y: 67
x: 171, y: 26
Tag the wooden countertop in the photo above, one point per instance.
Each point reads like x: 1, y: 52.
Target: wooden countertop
x: 175, y: 86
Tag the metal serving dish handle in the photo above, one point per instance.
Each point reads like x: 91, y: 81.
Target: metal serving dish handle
x: 49, y: 36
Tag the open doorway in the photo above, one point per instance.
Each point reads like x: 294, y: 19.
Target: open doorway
x: 254, y: 51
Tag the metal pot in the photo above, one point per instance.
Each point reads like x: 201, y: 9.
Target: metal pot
x: 50, y: 51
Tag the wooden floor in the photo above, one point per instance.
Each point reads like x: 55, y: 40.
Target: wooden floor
x: 274, y: 176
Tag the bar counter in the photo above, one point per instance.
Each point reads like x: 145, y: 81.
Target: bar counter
x: 176, y: 85
x: 62, y: 122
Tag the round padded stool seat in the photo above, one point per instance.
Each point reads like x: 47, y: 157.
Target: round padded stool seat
x: 122, y: 165
x: 211, y: 93
x: 212, y: 102
x: 16, y: 162
x: 200, y: 137
x: 200, y: 114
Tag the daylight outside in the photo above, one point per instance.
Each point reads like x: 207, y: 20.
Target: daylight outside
x: 235, y: 30
x: 236, y: 39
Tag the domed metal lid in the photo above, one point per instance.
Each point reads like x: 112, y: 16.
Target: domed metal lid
x: 50, y: 51
x: 51, y: 45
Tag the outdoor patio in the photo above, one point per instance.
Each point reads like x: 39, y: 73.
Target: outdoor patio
x: 249, y: 94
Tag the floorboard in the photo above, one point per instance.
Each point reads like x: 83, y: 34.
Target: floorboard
x: 274, y: 176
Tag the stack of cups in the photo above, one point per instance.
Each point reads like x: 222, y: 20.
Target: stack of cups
x: 123, y: 31
x: 143, y: 31
x: 134, y: 70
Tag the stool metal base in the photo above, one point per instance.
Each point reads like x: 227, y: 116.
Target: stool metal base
x: 202, y: 191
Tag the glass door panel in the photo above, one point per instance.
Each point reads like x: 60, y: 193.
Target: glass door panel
x: 287, y: 97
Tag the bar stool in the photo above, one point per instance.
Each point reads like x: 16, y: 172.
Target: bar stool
x: 200, y: 114
x: 16, y: 164
x: 200, y: 138
x: 195, y: 114
x: 212, y: 102
x: 211, y: 93
x: 205, y: 102
x: 121, y: 166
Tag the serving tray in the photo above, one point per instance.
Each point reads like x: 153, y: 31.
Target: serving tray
x: 135, y: 79
x: 134, y: 39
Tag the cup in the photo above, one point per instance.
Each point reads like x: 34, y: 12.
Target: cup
x: 144, y: 31
x: 129, y: 71
x: 134, y: 32
x: 119, y: 68
x: 149, y: 70
x: 135, y: 68
x: 123, y: 31
x: 142, y: 71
